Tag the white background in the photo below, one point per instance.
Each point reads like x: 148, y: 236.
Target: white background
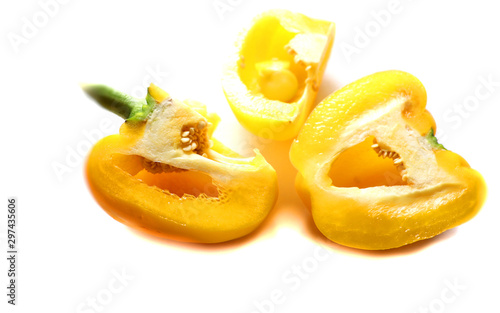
x: 70, y: 251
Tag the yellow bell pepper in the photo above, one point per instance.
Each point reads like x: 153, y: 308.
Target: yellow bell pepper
x: 166, y: 175
x: 272, y: 77
x: 372, y: 171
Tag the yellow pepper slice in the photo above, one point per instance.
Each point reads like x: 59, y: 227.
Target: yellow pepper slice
x: 372, y: 171
x: 166, y: 175
x: 272, y: 77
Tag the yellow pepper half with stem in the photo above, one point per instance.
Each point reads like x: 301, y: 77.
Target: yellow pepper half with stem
x: 166, y: 175
x: 372, y: 171
x: 273, y: 74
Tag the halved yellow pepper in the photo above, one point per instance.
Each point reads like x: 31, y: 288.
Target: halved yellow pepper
x: 372, y: 171
x: 166, y: 175
x: 272, y: 77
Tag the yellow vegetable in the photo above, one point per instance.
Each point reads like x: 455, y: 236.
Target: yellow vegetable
x: 165, y: 174
x: 272, y: 77
x: 372, y: 171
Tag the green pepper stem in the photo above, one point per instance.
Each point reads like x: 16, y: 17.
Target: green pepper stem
x: 433, y: 140
x: 123, y: 105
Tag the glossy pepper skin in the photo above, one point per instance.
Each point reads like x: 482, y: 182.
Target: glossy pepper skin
x: 372, y: 172
x: 273, y: 73
x: 152, y: 177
